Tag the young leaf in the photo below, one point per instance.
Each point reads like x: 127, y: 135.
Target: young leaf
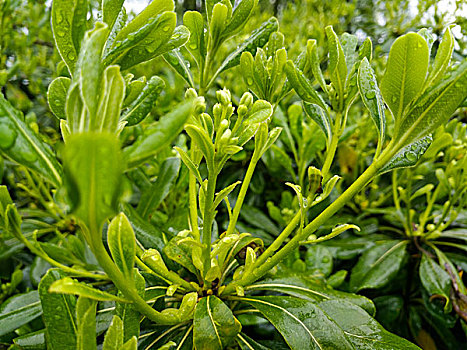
x: 19, y: 310
x: 21, y: 144
x: 220, y: 16
x: 224, y: 193
x: 214, y: 325
x: 86, y: 317
x: 405, y: 73
x: 320, y: 117
x: 442, y: 59
x: 189, y: 164
x: 121, y: 241
x: 240, y: 16
x: 70, y: 286
x: 202, y: 140
x: 259, y: 113
x: 193, y: 20
x: 143, y: 104
x: 337, y: 66
x: 378, y: 266
x: 56, y: 96
x: 434, y: 278
x: 59, y: 314
x: 180, y: 65
x: 93, y: 166
x: 168, y: 127
x: 111, y: 10
x: 151, y: 199
x: 114, y: 336
x: 313, y: 58
x: 68, y: 27
x: 372, y: 99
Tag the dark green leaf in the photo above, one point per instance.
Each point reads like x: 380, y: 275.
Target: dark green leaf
x: 56, y: 95
x: 19, y: 310
x: 31, y: 341
x: 86, y: 317
x: 337, y: 65
x: 246, y: 343
x: 434, y: 278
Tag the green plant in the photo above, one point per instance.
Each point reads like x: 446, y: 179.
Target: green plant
x: 199, y: 287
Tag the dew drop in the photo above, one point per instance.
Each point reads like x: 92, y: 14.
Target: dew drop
x: 411, y: 156
x: 394, y: 99
x: 325, y: 260
x: 71, y: 56
x: 370, y: 94
x: 61, y: 33
x: 166, y: 28
x: 249, y: 81
x: 150, y: 49
x: 193, y: 46
x: 7, y: 136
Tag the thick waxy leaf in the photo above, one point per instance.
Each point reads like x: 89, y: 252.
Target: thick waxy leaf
x: 361, y: 329
x: 70, y: 286
x: 114, y: 336
x: 122, y: 245
x: 86, y: 317
x: 321, y: 117
x: 337, y: 66
x: 167, y: 128
x: 434, y: 108
x: 68, y: 27
x: 19, y: 310
x: 193, y: 20
x: 93, y: 168
x: 56, y: 95
x: 372, y: 98
x: 434, y: 278
x: 258, y: 38
x: 110, y: 11
x: 259, y: 113
x: 59, y: 314
x: 378, y: 265
x: 303, y: 86
x: 405, y: 72
x: 240, y: 16
x: 214, y: 325
x: 303, y: 324
x: 151, y: 199
x: 32, y: 341
x: 304, y: 288
x: 312, y: 53
x: 408, y: 156
x: 202, y: 140
x: 180, y: 65
x: 442, y: 59
x: 21, y: 144
x: 180, y: 253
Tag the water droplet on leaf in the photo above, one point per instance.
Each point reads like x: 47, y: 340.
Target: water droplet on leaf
x: 7, y: 136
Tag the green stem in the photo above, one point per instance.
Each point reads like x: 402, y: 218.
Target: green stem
x: 208, y: 219
x: 193, y: 206
x: 241, y: 195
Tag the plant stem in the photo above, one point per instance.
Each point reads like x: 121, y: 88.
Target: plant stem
x: 208, y: 219
x: 241, y: 195
x: 193, y: 206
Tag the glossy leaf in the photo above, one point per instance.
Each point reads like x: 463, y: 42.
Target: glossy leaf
x: 68, y: 27
x: 312, y: 53
x: 121, y: 242
x: 240, y: 15
x: 259, y: 112
x: 378, y: 265
x: 434, y: 278
x: 202, y: 140
x: 110, y: 11
x: 246, y: 343
x: 21, y: 144
x: 56, y: 96
x: 167, y: 128
x: 214, y: 325
x: 372, y: 99
x: 150, y: 200
x: 180, y: 253
x: 86, y: 317
x: 19, y: 310
x: 180, y: 65
x: 337, y: 66
x: 93, y: 173
x: 32, y: 340
x: 193, y: 20
x: 59, y: 314
x: 442, y: 59
x: 405, y: 73
x: 114, y: 336
x: 70, y: 286
x: 320, y: 117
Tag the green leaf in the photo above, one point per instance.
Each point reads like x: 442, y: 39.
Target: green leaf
x: 434, y: 278
x: 180, y: 65
x: 19, y: 310
x: 22, y: 145
x: 258, y: 38
x: 405, y: 73
x: 68, y: 27
x: 320, y: 117
x: 337, y: 66
x: 179, y: 37
x: 303, y: 86
x: 56, y: 95
x: 189, y: 164
x: 70, y: 286
x: 151, y: 199
x: 114, y: 336
x: 408, y: 156
x: 214, y: 325
x: 59, y: 314
x: 150, y: 143
x: 193, y: 20
x: 378, y: 265
x: 86, y: 317
x: 224, y: 193
x: 442, y: 59
x: 131, y: 344
x: 31, y: 341
x: 93, y: 167
x: 372, y: 99
x: 259, y: 113
x: 217, y: 23
x: 180, y: 253
x: 111, y: 10
x: 306, y: 288
x: 361, y: 329
x: 246, y: 343
x: 313, y: 58
x: 433, y: 108
x: 202, y: 140
x: 122, y: 245
x: 240, y: 15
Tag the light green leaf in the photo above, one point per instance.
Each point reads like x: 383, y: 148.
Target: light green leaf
x: 56, y: 96
x: 189, y: 164
x: 180, y: 65
x: 21, y: 144
x: 68, y: 27
x: 179, y: 37
x: 378, y: 265
x: 167, y: 128
x: 442, y: 59
x: 214, y: 325
x: 122, y: 245
x: 224, y: 193
x: 19, y: 310
x: 58, y: 314
x: 144, y: 103
x: 313, y: 58
x: 111, y: 10
x: 405, y: 73
x: 131, y: 344
x: 203, y: 142
x: 151, y: 199
x: 70, y: 286
x: 259, y: 112
x: 217, y: 23
x: 33, y: 340
x: 372, y: 99
x: 320, y: 117
x: 114, y: 336
x: 337, y: 66
x: 193, y: 20
x: 86, y: 317
x: 240, y: 16
x: 93, y: 167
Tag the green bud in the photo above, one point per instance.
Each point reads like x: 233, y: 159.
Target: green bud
x: 242, y: 110
x: 191, y: 93
x: 223, y: 96
x: 246, y: 100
